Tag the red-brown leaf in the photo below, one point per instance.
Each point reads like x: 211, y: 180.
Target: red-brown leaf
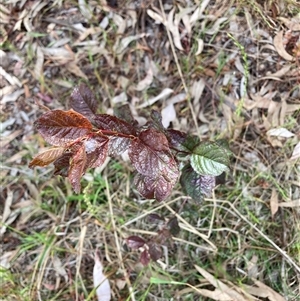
x: 145, y: 258
x: 47, y: 157
x: 60, y: 128
x: 155, y: 251
x: 153, y: 187
x: 96, y: 148
x: 113, y: 124
x: 83, y: 101
x: 77, y: 168
x: 150, y: 155
x: 62, y: 164
x: 154, y: 140
x: 118, y: 145
x: 135, y: 242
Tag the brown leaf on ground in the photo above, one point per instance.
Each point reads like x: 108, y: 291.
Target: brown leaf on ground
x: 219, y: 285
x: 296, y: 152
x: 278, y: 43
x: 263, y: 291
x: 274, y: 202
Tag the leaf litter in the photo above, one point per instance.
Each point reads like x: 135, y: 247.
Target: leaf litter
x: 69, y: 46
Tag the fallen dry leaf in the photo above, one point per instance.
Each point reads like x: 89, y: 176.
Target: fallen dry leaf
x: 101, y: 283
x: 7, y: 204
x: 38, y: 68
x: 165, y: 92
x: 292, y: 24
x: 296, y: 152
x: 216, y: 295
x: 10, y: 78
x: 146, y: 82
x: 168, y: 115
x: 274, y: 202
x: 290, y: 204
x: 220, y: 285
x: 12, y: 96
x: 7, y: 139
x: 126, y: 41
x: 85, y: 9
x: 73, y: 68
x: 172, y: 24
x: 58, y: 267
x: 263, y: 291
x: 216, y: 27
x: 200, y: 46
x: 278, y: 43
x: 120, y: 98
x: 280, y: 132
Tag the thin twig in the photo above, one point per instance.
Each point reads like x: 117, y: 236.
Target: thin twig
x: 282, y: 252
x: 186, y: 226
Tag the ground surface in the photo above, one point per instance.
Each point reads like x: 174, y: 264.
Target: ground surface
x: 227, y: 68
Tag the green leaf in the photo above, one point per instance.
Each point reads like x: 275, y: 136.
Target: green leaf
x: 155, y: 280
x: 195, y: 185
x: 209, y: 159
x: 191, y: 142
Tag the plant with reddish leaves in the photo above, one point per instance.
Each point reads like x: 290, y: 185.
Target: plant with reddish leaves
x: 151, y: 249
x: 83, y: 139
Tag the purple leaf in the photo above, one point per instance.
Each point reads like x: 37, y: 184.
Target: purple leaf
x: 195, y: 185
x: 155, y: 251
x: 173, y: 226
x: 62, y: 164
x: 96, y: 148
x: 113, y: 124
x: 150, y: 155
x: 145, y: 258
x: 77, y: 168
x: 135, y: 242
x: 176, y: 139
x: 153, y: 187
x: 155, y: 218
x: 83, y: 101
x: 118, y: 145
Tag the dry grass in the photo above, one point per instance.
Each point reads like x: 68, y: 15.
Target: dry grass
x: 239, y: 86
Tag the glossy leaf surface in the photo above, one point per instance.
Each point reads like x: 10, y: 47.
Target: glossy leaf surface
x: 153, y: 187
x: 96, y: 148
x: 135, y: 242
x: 113, y: 124
x: 150, y: 154
x: 82, y: 100
x: 62, y: 164
x: 209, y: 158
x: 195, y: 185
x: 84, y: 139
x: 60, y: 128
x: 118, y: 145
x: 47, y: 157
x: 77, y: 168
x: 176, y: 139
